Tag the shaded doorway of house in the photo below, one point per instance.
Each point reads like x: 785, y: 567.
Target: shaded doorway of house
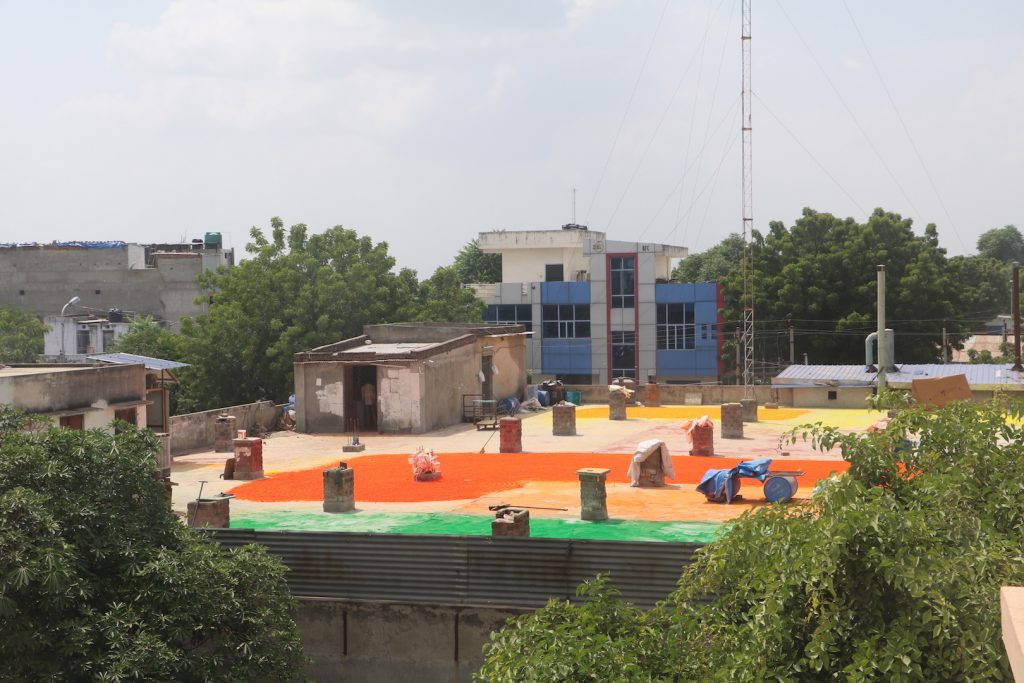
x: 364, y: 393
x: 486, y: 371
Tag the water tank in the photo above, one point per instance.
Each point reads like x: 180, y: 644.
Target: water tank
x: 212, y: 240
x: 115, y: 315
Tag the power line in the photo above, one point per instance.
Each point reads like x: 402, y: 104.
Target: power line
x: 903, y: 123
x: 849, y: 111
x: 625, y: 113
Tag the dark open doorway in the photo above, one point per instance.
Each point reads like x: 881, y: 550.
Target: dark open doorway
x: 364, y: 385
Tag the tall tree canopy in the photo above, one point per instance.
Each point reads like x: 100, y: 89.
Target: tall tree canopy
x: 472, y: 265
x: 296, y: 292
x: 889, y: 573
x: 1002, y: 244
x: 100, y: 581
x: 717, y: 263
x: 21, y: 336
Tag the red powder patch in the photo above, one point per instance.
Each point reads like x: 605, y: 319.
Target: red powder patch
x: 388, y: 478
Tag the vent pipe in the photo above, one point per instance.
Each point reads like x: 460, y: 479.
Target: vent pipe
x: 1015, y: 304
x: 869, y: 352
x: 883, y: 351
x: 890, y: 347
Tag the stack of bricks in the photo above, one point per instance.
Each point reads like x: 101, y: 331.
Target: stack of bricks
x: 563, y: 420
x: 223, y: 433
x: 593, y: 498
x: 248, y: 458
x: 210, y: 512
x: 616, y: 405
x: 732, y: 421
x: 510, y: 435
x: 339, y: 489
x: 514, y: 522
x: 749, y: 409
x: 652, y: 395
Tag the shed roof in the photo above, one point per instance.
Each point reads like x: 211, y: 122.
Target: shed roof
x: 132, y: 359
x: 980, y: 377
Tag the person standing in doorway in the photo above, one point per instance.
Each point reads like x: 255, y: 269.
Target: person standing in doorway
x: 369, y: 395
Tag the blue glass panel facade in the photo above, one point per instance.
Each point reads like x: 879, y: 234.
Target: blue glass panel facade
x: 566, y: 356
x: 702, y: 360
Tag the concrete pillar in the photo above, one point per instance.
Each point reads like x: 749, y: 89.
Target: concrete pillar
x: 616, y: 405
x: 563, y: 420
x: 223, y: 433
x: 511, y: 435
x: 339, y: 489
x: 248, y: 458
x: 593, y: 498
x: 211, y: 512
x: 513, y: 522
x: 749, y: 409
x: 702, y: 440
x: 732, y: 421
x: 652, y: 395
x: 164, y: 456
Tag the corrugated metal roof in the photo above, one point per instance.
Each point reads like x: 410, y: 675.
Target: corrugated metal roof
x: 465, y: 570
x: 810, y: 374
x: 132, y: 359
x: 979, y: 376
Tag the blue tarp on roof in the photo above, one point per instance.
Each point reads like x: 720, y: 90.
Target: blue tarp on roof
x: 133, y: 359
x: 78, y: 244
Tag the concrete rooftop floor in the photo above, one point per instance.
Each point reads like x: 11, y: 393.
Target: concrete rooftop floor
x: 643, y: 513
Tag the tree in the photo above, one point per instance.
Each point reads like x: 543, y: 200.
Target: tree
x: 145, y: 337
x: 296, y: 292
x: 441, y: 298
x: 474, y: 266
x: 984, y: 287
x: 1004, y: 244
x: 890, y: 572
x: 21, y: 336
x: 720, y: 262
x: 100, y: 581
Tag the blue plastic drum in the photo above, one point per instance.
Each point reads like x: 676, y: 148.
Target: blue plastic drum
x: 780, y: 488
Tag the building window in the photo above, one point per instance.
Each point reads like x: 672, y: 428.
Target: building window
x: 624, y: 354
x: 515, y: 314
x: 108, y: 340
x: 833, y: 395
x: 566, y: 321
x: 675, y: 328
x: 554, y: 272
x: 82, y: 340
x: 623, y: 274
x: 72, y: 421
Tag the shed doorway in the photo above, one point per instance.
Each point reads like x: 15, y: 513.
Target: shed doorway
x: 364, y: 389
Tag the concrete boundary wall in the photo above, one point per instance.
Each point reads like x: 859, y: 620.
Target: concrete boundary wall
x: 195, y: 431
x: 400, y: 643
x: 694, y: 394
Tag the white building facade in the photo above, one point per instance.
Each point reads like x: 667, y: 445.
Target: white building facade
x: 599, y: 309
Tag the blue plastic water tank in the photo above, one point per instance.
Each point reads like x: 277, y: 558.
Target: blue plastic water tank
x: 542, y: 396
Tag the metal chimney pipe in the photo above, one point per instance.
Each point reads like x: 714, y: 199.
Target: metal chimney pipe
x: 883, y: 351
x: 1015, y: 304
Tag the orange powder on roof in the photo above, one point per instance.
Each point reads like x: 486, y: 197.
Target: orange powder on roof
x: 388, y: 478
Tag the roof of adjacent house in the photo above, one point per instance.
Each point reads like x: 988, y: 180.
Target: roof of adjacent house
x: 132, y: 359
x: 979, y: 376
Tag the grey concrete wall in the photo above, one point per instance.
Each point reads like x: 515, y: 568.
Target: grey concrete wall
x: 710, y: 394
x: 359, y: 641
x: 817, y: 397
x: 195, y: 431
x: 401, y: 396
x: 509, y: 356
x: 446, y: 379
x: 64, y: 389
x: 320, y: 397
x: 42, y: 280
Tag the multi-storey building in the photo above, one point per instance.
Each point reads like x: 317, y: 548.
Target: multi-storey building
x: 600, y: 309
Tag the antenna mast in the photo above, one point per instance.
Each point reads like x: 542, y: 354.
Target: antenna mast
x: 748, y: 212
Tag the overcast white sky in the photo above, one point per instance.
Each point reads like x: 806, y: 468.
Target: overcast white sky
x: 423, y: 123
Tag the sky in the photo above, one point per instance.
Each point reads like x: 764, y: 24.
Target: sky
x: 424, y: 123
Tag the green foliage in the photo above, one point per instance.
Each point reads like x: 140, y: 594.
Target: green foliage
x: 474, y: 266
x: 100, y: 581
x: 891, y: 572
x: 720, y: 262
x: 21, y: 336
x: 1004, y: 244
x: 296, y: 292
x: 441, y: 298
x: 145, y: 337
x: 985, y: 356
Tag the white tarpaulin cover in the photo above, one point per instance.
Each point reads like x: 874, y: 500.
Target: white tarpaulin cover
x: 647, y: 449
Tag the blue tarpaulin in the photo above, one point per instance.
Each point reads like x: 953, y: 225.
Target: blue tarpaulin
x: 722, y: 485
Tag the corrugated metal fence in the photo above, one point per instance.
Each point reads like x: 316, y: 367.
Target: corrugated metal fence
x: 465, y: 570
